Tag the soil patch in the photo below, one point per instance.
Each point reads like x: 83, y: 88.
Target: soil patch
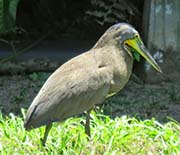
x: 136, y: 99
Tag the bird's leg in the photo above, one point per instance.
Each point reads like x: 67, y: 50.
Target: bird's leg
x: 48, y: 127
x: 87, y: 125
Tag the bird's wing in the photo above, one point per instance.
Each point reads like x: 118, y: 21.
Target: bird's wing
x: 67, y: 93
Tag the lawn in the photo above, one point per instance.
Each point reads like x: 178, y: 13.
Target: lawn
x: 124, y: 135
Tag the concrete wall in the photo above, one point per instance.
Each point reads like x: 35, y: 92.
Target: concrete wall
x: 161, y: 24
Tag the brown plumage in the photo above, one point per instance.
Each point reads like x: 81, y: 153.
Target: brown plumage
x: 84, y: 81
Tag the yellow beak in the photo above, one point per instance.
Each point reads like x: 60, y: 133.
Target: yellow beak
x: 140, y: 48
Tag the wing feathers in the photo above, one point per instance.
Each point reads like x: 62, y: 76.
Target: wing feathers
x: 69, y: 93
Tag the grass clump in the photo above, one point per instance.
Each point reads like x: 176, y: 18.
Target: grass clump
x: 109, y: 136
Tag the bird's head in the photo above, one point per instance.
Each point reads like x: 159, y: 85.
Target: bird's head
x: 128, y: 39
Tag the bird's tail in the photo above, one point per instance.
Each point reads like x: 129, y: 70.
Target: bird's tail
x: 27, y: 121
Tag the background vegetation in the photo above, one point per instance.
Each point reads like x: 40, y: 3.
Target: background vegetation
x: 29, y: 19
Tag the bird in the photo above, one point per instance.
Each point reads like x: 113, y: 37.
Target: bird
x: 88, y: 79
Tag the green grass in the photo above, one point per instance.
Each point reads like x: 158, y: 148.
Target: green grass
x: 119, y: 136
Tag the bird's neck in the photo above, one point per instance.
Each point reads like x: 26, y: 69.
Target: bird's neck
x: 105, y: 40
x: 118, y: 60
x: 113, y: 56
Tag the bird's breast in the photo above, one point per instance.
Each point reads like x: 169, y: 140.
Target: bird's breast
x: 121, y: 74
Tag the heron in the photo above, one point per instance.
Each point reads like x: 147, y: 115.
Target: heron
x: 88, y: 79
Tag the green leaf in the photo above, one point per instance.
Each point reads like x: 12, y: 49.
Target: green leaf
x: 33, y: 77
x: 8, y: 10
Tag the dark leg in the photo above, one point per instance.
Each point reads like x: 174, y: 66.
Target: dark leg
x: 87, y: 125
x: 48, y: 127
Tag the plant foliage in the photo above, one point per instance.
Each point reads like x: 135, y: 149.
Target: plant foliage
x: 124, y: 135
x: 112, y: 11
x: 8, y: 10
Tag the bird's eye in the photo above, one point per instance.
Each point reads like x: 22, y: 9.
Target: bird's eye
x: 136, y: 36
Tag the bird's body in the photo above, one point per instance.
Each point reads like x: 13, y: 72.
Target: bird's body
x: 86, y: 80
x: 79, y: 84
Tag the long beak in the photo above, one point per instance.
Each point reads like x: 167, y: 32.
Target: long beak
x: 140, y: 48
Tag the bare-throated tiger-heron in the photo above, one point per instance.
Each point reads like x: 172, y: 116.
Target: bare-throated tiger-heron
x: 88, y: 79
